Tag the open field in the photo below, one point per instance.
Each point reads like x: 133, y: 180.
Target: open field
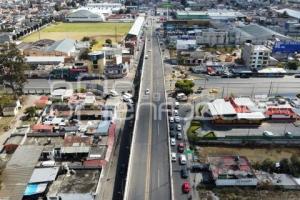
x: 253, y: 154
x: 98, y: 31
x: 5, y: 123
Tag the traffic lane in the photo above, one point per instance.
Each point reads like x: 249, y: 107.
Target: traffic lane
x: 247, y: 89
x: 160, y: 184
x: 176, y: 166
x: 137, y: 180
x: 139, y: 161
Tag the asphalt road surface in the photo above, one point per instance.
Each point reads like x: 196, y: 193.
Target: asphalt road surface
x: 149, y: 174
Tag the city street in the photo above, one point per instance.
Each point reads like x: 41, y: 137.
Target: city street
x: 148, y: 176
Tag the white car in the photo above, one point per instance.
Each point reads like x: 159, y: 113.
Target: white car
x: 149, y: 50
x: 147, y: 91
x: 146, y: 56
x: 173, y: 157
x: 113, y: 93
x: 178, y: 127
x: 179, y: 136
x: 182, y: 159
x: 173, y: 142
x: 171, y: 119
x: 177, y: 119
x: 175, y: 112
x: 268, y: 134
x: 176, y: 104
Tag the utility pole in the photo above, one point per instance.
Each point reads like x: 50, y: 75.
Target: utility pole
x: 269, y: 93
x: 116, y: 37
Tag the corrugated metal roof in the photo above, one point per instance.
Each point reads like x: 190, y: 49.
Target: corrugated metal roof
x: 65, y: 46
x: 18, y: 172
x: 42, y: 175
x: 137, y: 26
x: 80, y: 149
x: 103, y: 127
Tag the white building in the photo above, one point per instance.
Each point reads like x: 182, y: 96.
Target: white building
x: 256, y: 56
x: 212, y: 37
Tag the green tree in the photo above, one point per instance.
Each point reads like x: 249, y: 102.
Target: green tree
x: 84, y: 54
x: 85, y: 38
x: 31, y: 111
x: 267, y: 165
x: 292, y: 65
x: 108, y: 41
x: 4, y: 100
x: 12, y: 66
x: 185, y: 86
x: 285, y: 166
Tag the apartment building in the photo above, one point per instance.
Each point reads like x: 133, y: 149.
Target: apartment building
x: 256, y: 56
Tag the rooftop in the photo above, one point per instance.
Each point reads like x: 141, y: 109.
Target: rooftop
x: 137, y: 26
x: 80, y: 182
x: 230, y: 167
x: 18, y: 171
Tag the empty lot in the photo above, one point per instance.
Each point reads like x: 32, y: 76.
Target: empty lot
x: 253, y: 154
x: 76, y: 31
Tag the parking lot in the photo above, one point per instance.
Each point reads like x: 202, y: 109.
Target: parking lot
x: 278, y: 129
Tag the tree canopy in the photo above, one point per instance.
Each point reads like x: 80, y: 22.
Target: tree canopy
x: 185, y: 86
x: 12, y: 66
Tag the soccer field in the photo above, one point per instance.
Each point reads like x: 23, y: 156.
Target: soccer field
x: 76, y: 31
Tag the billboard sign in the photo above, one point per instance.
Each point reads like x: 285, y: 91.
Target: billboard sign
x: 286, y: 47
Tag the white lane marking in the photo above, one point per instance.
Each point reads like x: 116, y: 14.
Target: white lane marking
x: 158, y: 129
x: 158, y: 177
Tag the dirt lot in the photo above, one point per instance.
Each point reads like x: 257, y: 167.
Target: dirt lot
x: 250, y: 194
x: 253, y: 154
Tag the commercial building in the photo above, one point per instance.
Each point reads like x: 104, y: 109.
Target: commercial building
x: 231, y: 171
x: 84, y: 16
x: 51, y: 48
x: 256, y: 34
x: 116, y: 71
x: 234, y: 111
x: 256, y: 56
x: 212, y: 37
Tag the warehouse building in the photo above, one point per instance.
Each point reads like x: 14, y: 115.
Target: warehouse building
x: 84, y: 16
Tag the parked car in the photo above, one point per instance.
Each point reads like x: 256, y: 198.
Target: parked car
x: 186, y: 187
x: 172, y: 134
x: 173, y: 157
x: 199, y: 168
x: 178, y: 127
x: 182, y: 159
x: 176, y: 105
x: 180, y: 147
x: 172, y: 126
x: 288, y: 134
x: 297, y: 76
x: 173, y: 141
x: 171, y: 119
x: 113, y: 93
x: 177, y: 119
x: 175, y: 112
x: 268, y: 134
x: 184, y: 172
x: 179, y: 135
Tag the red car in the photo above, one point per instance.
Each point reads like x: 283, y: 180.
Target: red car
x: 180, y: 147
x: 186, y: 187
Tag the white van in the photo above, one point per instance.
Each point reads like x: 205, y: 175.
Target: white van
x: 182, y: 159
x: 181, y: 97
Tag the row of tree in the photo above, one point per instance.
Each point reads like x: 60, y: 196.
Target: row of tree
x: 288, y: 166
